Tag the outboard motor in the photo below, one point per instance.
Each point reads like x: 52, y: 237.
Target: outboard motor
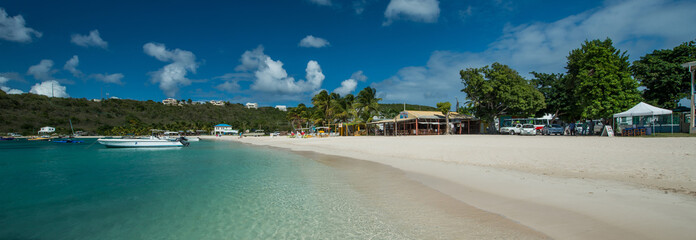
x: 183, y: 141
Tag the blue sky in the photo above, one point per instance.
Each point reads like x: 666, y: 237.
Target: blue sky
x: 284, y: 51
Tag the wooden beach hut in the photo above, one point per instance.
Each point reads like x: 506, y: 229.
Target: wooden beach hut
x: 413, y: 122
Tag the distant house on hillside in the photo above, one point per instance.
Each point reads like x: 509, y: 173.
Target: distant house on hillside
x: 224, y: 129
x: 250, y: 105
x: 47, y: 130
x: 282, y: 108
x: 217, y: 102
x: 170, y: 101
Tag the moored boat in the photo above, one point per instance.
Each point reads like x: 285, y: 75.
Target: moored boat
x: 39, y: 139
x: 141, y: 143
x: 68, y: 141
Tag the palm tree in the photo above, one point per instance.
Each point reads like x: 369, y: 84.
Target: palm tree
x: 367, y: 104
x: 444, y: 107
x: 343, y: 107
x: 322, y: 101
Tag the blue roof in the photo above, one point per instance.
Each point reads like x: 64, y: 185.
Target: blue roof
x: 223, y: 125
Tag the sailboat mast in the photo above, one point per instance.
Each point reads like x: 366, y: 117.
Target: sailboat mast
x: 71, y: 129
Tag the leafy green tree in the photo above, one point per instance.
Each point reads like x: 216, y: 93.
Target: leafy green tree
x: 600, y: 76
x: 557, y: 93
x: 444, y: 107
x: 498, y: 89
x: 660, y: 72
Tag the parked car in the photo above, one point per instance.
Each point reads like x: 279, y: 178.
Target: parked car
x: 550, y: 129
x: 512, y: 130
x: 528, y: 129
x: 598, y: 127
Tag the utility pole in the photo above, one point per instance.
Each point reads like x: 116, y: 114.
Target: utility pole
x: 692, y: 69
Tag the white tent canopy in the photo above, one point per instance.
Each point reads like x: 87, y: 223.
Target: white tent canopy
x: 643, y: 109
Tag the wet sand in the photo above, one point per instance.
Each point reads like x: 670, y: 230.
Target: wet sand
x: 419, y: 210
x: 562, y: 187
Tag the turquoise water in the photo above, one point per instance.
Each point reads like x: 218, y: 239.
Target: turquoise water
x: 211, y: 190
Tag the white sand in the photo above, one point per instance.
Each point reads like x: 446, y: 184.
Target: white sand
x: 565, y: 187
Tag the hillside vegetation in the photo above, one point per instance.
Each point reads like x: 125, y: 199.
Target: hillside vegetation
x: 26, y: 113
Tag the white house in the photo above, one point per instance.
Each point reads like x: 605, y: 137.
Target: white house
x: 282, y: 108
x: 217, y: 102
x: 224, y: 129
x: 170, y: 101
x: 47, y: 130
x: 250, y: 105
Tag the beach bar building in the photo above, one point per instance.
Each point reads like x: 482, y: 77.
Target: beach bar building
x: 426, y: 123
x: 224, y: 129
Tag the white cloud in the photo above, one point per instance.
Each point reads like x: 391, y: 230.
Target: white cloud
x: 11, y: 90
x: 6, y: 89
x: 322, y: 2
x: 71, y: 66
x: 50, y: 88
x: 91, y: 40
x: 5, y: 79
x: 173, y: 75
x: 270, y: 76
x: 42, y: 71
x: 415, y: 10
x: 108, y: 78
x: 359, y: 76
x: 313, y: 42
x: 228, y: 86
x: 13, y: 29
x: 347, y: 86
x: 637, y: 26
x: 251, y: 60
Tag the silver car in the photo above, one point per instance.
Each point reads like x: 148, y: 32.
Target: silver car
x: 552, y: 129
x: 528, y: 129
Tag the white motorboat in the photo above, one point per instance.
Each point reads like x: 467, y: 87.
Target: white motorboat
x: 187, y: 138
x: 146, y: 142
x: 192, y: 139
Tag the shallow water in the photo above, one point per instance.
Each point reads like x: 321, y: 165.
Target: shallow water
x: 214, y: 190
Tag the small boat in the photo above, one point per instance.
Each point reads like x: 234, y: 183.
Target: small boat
x: 68, y: 141
x: 142, y: 143
x: 192, y: 139
x: 188, y: 139
x: 6, y: 138
x: 39, y: 139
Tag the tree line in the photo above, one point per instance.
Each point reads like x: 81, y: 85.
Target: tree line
x: 331, y: 108
x: 26, y: 113
x: 599, y: 81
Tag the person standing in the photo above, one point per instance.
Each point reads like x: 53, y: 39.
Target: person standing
x: 572, y: 129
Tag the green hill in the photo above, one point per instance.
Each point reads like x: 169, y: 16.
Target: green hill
x: 26, y: 113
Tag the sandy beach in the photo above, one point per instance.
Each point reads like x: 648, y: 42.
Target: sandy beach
x: 564, y: 187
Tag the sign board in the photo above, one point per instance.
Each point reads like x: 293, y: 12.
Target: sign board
x: 403, y: 114
x: 608, y: 131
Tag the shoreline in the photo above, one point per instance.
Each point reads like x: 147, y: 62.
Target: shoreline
x: 623, y: 188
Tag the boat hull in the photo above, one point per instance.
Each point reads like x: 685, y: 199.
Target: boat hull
x: 138, y: 143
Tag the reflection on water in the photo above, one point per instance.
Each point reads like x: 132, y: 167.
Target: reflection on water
x: 216, y: 190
